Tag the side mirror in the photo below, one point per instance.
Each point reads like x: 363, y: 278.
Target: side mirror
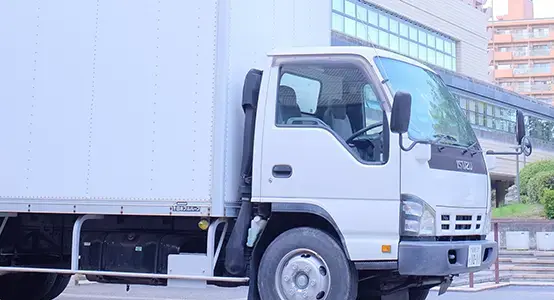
x: 520, y: 127
x: 523, y: 141
x: 401, y: 112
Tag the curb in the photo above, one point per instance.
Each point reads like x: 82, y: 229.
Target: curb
x: 492, y: 286
x: 77, y: 280
x: 477, y: 288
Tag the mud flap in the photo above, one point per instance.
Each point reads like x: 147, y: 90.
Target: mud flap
x: 445, y: 285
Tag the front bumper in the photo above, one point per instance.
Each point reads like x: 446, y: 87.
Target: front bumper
x: 421, y: 258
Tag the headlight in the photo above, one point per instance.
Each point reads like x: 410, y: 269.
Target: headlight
x: 418, y: 218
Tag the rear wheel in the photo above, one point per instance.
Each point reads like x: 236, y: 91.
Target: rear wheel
x: 306, y: 263
x: 28, y: 286
x: 58, y: 287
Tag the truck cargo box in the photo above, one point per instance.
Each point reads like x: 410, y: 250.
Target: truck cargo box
x: 133, y: 107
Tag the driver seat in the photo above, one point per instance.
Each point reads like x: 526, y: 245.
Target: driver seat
x: 335, y: 116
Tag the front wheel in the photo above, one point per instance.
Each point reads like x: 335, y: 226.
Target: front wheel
x: 26, y: 286
x: 419, y: 294
x: 306, y: 263
x: 61, y: 282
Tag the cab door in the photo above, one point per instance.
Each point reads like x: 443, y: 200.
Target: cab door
x: 311, y: 157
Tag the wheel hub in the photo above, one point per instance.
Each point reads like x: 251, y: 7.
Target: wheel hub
x: 302, y: 274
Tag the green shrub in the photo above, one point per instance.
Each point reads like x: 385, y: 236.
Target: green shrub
x: 524, y: 199
x: 548, y: 200
x: 538, y: 184
x: 530, y: 170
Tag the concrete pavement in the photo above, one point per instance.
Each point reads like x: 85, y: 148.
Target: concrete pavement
x: 117, y: 292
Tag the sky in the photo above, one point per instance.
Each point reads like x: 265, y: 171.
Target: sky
x: 542, y: 9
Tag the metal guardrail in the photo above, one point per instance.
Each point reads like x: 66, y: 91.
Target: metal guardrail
x: 521, y: 71
x: 540, y: 52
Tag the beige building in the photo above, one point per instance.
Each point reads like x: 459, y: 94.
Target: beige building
x: 523, y: 54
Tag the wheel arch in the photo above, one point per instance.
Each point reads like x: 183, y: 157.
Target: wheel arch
x: 285, y: 216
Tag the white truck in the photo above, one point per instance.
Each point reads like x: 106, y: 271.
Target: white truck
x: 170, y: 143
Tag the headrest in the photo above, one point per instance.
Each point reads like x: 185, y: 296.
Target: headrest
x: 287, y: 96
x: 338, y: 111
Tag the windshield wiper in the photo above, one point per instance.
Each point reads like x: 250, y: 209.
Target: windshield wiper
x: 472, y: 146
x: 441, y: 137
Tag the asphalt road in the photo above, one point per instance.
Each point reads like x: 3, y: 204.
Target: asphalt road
x: 117, y: 292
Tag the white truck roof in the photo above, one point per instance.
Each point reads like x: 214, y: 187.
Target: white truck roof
x: 367, y: 52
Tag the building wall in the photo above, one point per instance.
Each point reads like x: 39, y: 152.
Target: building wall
x: 524, y: 57
x: 519, y: 9
x: 454, y: 18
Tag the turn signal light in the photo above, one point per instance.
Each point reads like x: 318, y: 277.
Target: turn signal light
x: 386, y: 248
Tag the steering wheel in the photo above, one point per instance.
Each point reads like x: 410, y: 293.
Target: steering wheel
x: 362, y: 131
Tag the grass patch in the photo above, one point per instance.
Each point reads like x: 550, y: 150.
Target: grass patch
x: 519, y: 211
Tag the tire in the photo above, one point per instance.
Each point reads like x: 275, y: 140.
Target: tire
x: 309, y: 263
x: 58, y: 287
x: 419, y: 294
x: 28, y: 286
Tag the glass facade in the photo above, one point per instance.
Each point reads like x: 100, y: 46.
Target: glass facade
x: 366, y: 22
x: 486, y: 116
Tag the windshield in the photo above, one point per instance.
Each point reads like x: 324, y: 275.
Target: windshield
x: 435, y: 113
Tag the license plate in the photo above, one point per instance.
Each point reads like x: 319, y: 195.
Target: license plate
x: 474, y: 256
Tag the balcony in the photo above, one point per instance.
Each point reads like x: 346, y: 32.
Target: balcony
x: 541, y: 70
x: 503, y: 55
x: 541, y: 52
x: 532, y: 88
x: 541, y: 88
x: 521, y: 71
x: 532, y: 36
x: 502, y: 38
x: 503, y: 73
x: 521, y: 53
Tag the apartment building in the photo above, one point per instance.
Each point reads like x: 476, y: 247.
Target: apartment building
x: 523, y: 59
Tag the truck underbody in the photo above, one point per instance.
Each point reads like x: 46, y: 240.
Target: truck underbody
x: 135, y: 250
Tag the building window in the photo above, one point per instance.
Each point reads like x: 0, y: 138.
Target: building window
x: 381, y: 28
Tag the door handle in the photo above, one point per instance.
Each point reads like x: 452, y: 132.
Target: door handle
x: 282, y: 171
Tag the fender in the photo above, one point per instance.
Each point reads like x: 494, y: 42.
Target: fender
x: 312, y: 210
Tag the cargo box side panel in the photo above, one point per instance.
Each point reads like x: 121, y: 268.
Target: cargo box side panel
x: 45, y: 92
x: 151, y: 135
x: 111, y: 106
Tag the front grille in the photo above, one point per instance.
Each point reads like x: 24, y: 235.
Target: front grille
x: 460, y: 224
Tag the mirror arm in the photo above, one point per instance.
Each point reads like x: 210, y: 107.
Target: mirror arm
x: 412, y: 145
x: 519, y: 151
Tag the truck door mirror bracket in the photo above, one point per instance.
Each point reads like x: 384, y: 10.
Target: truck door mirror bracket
x: 520, y: 127
x: 525, y: 148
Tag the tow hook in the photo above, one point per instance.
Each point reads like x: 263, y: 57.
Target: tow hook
x: 445, y: 284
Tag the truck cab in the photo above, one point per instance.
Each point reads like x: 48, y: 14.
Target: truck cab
x: 371, y: 150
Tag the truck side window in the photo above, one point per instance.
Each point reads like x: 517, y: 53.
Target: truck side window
x: 338, y: 97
